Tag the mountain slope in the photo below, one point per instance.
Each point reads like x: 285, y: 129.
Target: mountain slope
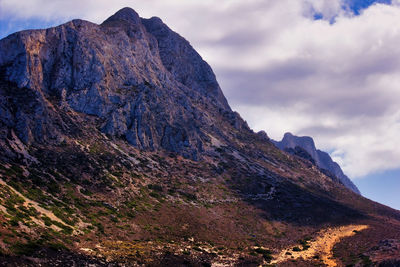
x: 322, y: 159
x: 121, y: 131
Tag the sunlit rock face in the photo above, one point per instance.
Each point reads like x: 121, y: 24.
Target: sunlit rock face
x: 141, y: 80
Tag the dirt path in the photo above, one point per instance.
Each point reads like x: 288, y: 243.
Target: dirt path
x: 322, y: 246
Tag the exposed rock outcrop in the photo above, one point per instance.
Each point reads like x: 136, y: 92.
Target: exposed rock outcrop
x: 141, y: 80
x: 304, y: 147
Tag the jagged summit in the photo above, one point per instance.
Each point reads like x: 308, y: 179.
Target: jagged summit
x: 143, y: 81
x: 124, y: 14
x: 322, y: 159
x: 291, y: 141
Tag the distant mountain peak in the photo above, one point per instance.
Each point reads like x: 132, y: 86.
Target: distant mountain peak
x: 304, y: 147
x: 291, y: 140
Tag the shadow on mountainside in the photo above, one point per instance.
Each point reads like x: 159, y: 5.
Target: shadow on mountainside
x: 293, y: 204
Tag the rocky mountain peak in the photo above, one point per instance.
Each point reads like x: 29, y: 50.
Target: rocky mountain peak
x: 125, y: 14
x: 290, y: 140
x: 142, y: 81
x: 304, y: 147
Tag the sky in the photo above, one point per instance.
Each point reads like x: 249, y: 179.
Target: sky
x: 329, y: 69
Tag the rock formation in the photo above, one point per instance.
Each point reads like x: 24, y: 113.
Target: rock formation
x: 141, y: 80
x: 298, y: 145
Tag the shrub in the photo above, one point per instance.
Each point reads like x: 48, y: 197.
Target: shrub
x: 14, y: 221
x: 155, y: 195
x: 262, y: 251
x: 25, y: 248
x: 47, y: 221
x: 266, y: 253
x: 267, y: 257
x: 155, y: 187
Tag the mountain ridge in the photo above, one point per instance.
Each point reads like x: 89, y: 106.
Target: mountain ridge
x: 320, y: 158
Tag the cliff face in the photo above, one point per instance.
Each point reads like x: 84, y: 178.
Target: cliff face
x: 318, y: 157
x: 140, y: 79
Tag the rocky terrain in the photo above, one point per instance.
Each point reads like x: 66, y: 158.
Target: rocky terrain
x: 304, y: 147
x: 118, y: 148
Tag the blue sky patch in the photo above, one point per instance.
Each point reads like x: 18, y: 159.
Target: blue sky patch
x: 8, y: 26
x: 355, y: 6
x: 358, y: 5
x: 318, y: 16
x: 382, y: 187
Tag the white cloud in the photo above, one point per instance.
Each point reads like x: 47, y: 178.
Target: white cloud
x: 283, y: 71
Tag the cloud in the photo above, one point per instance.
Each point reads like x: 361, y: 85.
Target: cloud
x: 336, y: 82
x: 336, y: 79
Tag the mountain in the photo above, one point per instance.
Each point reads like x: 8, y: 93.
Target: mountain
x: 295, y: 145
x: 118, y: 148
x: 143, y: 81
